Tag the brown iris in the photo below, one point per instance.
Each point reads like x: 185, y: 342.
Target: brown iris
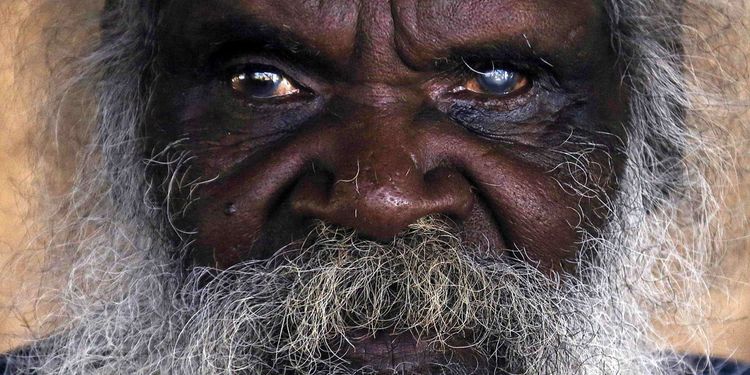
x: 255, y: 83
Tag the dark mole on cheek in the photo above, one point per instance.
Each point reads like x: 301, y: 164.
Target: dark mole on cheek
x: 230, y: 209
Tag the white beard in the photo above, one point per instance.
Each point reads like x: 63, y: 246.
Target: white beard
x: 127, y: 307
x: 298, y: 312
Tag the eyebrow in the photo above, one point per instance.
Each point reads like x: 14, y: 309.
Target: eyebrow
x: 504, y: 53
x: 218, y: 40
x: 221, y: 40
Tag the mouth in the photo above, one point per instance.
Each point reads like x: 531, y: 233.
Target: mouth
x: 403, y: 353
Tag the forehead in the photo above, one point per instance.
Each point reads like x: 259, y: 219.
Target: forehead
x: 337, y: 28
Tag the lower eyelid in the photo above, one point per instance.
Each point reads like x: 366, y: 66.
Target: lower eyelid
x: 529, y: 108
x: 506, y: 103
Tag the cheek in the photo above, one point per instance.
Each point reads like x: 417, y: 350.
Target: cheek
x: 535, y: 212
x: 218, y: 130
x: 256, y: 159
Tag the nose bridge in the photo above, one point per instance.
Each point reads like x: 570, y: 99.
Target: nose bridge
x: 380, y: 100
x: 380, y: 153
x: 378, y: 186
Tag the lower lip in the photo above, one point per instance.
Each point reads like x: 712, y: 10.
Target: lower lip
x: 403, y: 353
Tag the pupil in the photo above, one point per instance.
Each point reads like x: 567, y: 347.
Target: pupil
x: 498, y: 81
x: 258, y: 84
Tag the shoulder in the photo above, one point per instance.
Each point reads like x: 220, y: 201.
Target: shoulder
x: 717, y: 366
x: 9, y: 364
x: 4, y: 365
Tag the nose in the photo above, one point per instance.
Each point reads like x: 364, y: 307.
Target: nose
x: 378, y: 178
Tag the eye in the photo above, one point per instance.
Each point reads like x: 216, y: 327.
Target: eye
x: 497, y: 82
x: 257, y: 82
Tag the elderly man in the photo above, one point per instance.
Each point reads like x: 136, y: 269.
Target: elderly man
x: 376, y: 187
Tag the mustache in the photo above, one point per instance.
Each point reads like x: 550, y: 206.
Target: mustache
x: 306, y: 307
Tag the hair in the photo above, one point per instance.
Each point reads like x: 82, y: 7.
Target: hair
x: 126, y: 305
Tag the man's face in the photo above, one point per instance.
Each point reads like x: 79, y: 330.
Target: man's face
x: 503, y: 116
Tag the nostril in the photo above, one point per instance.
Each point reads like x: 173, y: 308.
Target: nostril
x: 450, y: 192
x: 381, y: 209
x: 312, y: 193
x: 440, y: 175
x: 322, y: 179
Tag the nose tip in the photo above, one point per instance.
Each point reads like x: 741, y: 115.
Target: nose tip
x: 380, y: 205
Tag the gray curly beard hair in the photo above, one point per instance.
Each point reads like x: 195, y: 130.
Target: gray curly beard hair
x: 127, y: 306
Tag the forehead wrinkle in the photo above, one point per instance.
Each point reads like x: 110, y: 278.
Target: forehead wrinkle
x: 375, y: 58
x: 327, y: 26
x: 427, y: 30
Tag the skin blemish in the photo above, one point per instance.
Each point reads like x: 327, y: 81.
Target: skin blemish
x: 230, y: 209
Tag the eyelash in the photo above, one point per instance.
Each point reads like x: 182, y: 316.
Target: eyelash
x: 463, y: 65
x: 459, y: 70
x: 223, y: 74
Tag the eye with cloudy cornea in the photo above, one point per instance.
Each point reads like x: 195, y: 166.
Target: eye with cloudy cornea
x: 260, y: 82
x: 496, y: 82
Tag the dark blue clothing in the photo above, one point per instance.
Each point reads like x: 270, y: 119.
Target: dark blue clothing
x: 4, y: 370
x: 3, y: 366
x: 713, y: 366
x: 718, y: 366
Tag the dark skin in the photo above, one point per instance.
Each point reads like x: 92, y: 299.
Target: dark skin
x: 372, y: 114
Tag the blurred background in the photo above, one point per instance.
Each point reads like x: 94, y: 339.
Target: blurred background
x: 28, y: 53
